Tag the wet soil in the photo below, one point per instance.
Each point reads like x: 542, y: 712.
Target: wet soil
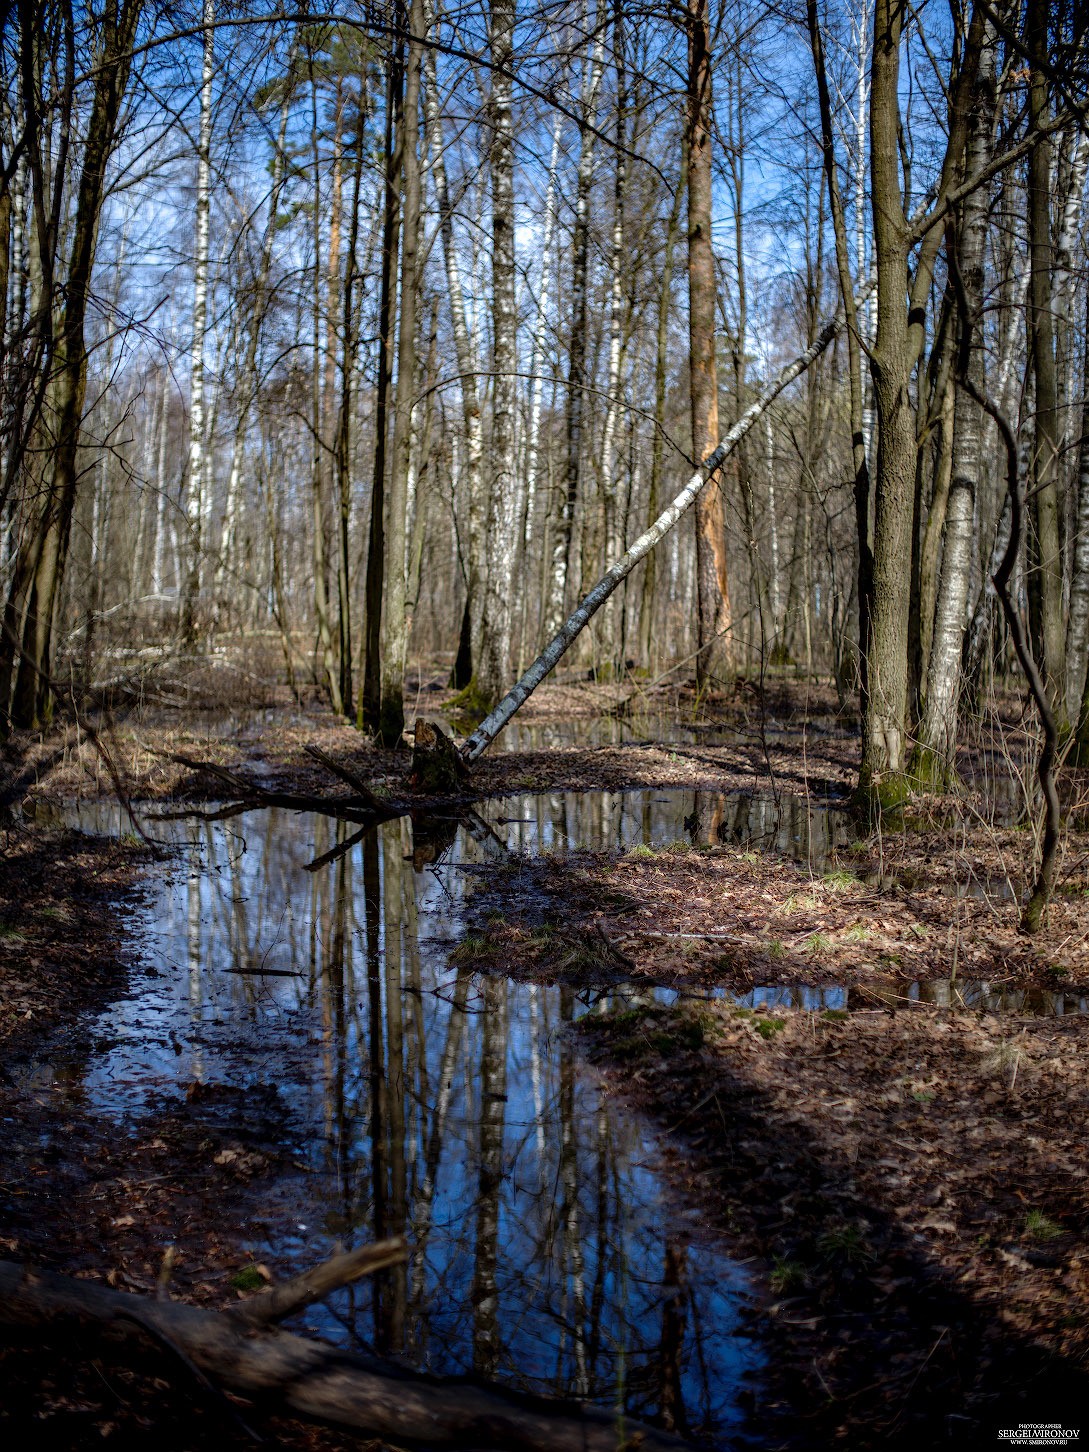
x: 80, y: 1198
x: 912, y: 1183
x: 915, y: 1187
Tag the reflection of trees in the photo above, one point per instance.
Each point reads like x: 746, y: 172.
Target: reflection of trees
x: 449, y: 1105
x: 493, y: 1098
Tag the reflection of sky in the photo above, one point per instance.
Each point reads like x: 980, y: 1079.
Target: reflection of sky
x: 333, y: 987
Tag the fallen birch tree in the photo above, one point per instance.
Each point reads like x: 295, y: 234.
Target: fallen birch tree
x: 242, y: 1351
x: 577, y: 621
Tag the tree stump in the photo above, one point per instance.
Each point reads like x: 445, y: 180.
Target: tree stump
x: 436, y: 766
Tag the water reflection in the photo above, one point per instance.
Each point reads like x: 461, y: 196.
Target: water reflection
x: 620, y: 820
x: 453, y: 1108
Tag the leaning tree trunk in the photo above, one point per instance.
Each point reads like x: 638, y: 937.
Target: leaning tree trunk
x: 576, y: 622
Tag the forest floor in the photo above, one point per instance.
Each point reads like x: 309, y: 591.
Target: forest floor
x: 913, y: 1178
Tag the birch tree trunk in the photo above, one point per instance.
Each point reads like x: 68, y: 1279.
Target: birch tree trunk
x: 467, y: 354
x: 897, y: 347
x: 617, y: 573
x: 391, y: 723
x: 493, y: 667
x: 194, y: 497
x: 610, y: 454
x: 1078, y: 647
x: 935, y: 756
x: 536, y: 395
x: 327, y: 667
x: 861, y: 428
x: 712, y: 584
x: 247, y: 382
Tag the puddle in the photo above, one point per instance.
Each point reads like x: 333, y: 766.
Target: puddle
x: 795, y: 826
x: 964, y: 995
x: 284, y: 949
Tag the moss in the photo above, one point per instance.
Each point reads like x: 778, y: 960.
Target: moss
x: 767, y: 1028
x: 249, y: 1278
x: 880, y: 799
x: 471, y: 703
x: 930, y: 771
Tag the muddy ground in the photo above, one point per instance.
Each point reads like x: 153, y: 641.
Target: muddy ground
x: 911, y: 1181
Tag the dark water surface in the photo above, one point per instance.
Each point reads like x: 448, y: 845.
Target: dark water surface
x: 286, y: 950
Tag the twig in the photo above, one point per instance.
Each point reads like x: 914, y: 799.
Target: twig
x: 314, y: 1285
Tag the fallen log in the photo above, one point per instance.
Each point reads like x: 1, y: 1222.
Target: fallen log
x: 345, y: 774
x: 356, y: 808
x: 550, y: 657
x: 236, y: 1350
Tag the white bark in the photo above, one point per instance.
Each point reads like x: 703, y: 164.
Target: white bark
x: 493, y: 666
x: 550, y: 657
x: 938, y: 734
x: 465, y: 348
x: 247, y: 382
x: 568, y: 489
x: 194, y: 499
x: 1078, y: 624
x: 540, y: 333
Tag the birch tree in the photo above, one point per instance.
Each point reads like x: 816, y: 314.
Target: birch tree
x: 194, y: 498
x: 493, y: 669
x: 938, y: 729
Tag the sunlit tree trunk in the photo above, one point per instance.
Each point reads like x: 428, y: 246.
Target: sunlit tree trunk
x: 938, y: 730
x: 661, y: 357
x: 536, y: 395
x: 610, y: 456
x: 713, y: 591
x: 194, y: 496
x: 897, y: 346
x: 370, y: 705
x: 466, y: 353
x: 395, y: 596
x: 493, y: 668
x: 247, y: 386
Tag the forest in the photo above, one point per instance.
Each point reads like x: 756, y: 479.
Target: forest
x: 544, y: 724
